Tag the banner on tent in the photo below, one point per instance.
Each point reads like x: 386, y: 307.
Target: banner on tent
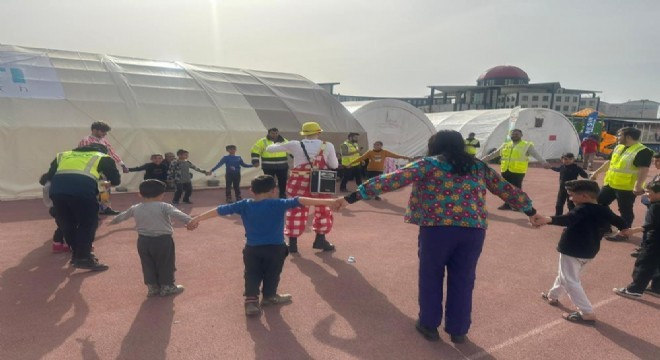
x: 28, y: 76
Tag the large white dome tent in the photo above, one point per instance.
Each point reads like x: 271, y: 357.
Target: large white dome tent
x: 550, y: 131
x: 49, y: 98
x: 403, y: 128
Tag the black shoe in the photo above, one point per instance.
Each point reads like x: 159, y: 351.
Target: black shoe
x: 187, y: 202
x: 321, y: 243
x: 90, y: 264
x: 617, y: 238
x: 293, y: 245
x: 109, y: 211
x: 636, y: 252
x: 458, y: 339
x: 652, y: 292
x: 429, y: 334
x: 504, y: 207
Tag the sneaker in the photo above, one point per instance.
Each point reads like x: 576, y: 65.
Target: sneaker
x: 238, y: 198
x: 458, y: 339
x: 429, y: 334
x: 153, y: 290
x: 167, y: 290
x: 277, y: 299
x: 616, y: 238
x: 378, y: 198
x: 252, y: 307
x: 90, y: 263
x: 652, y: 292
x: 626, y: 293
x: 322, y: 244
x: 230, y: 200
x: 109, y: 211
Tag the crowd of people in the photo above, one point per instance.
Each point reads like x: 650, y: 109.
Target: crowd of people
x: 447, y: 203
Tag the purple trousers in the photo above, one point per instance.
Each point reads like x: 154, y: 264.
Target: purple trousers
x: 455, y: 250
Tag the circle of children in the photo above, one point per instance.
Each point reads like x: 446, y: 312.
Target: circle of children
x: 75, y: 179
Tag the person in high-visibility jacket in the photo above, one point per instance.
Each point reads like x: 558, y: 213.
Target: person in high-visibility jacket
x: 625, y: 174
x: 515, y: 155
x: 73, y: 177
x: 350, y: 151
x: 275, y: 164
x: 472, y: 144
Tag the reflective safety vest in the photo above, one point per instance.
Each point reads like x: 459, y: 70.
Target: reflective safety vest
x: 84, y: 163
x: 622, y: 174
x: 514, y: 156
x: 470, y: 146
x: 346, y: 160
x: 272, y: 160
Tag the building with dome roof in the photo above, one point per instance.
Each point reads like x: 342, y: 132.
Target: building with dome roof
x: 507, y: 86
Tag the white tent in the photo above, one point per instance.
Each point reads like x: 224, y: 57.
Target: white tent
x: 49, y: 98
x: 551, y: 132
x: 403, y: 128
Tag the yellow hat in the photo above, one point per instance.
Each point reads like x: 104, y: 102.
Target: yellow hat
x: 310, y: 128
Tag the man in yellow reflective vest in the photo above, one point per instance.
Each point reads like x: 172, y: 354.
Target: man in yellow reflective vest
x: 73, y: 177
x: 515, y: 155
x: 350, y: 151
x: 275, y: 164
x: 472, y: 144
x: 625, y: 174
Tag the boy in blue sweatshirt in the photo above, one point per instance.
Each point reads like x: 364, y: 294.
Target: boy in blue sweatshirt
x: 233, y: 173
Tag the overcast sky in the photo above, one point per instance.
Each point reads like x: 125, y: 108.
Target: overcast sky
x: 376, y: 48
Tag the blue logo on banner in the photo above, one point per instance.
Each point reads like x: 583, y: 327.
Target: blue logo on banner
x: 589, y: 124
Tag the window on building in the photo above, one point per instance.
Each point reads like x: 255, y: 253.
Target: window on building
x: 535, y: 98
x: 573, y: 109
x: 524, y: 98
x: 591, y: 103
x: 574, y: 99
x: 544, y: 106
x: 567, y: 98
x: 535, y: 106
x: 582, y: 102
x: 557, y: 108
x: 565, y: 107
x: 546, y: 98
x: 558, y: 98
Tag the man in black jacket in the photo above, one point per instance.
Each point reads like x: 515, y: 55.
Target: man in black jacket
x: 74, y: 179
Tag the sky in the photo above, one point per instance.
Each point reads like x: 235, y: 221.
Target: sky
x: 372, y: 48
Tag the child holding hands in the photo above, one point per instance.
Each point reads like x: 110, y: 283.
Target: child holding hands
x: 265, y: 250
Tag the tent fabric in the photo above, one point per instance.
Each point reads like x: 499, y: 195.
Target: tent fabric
x: 403, y: 128
x: 550, y: 131
x: 49, y: 98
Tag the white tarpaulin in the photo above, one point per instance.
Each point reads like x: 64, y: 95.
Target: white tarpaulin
x: 401, y: 127
x: 152, y: 106
x: 551, y: 132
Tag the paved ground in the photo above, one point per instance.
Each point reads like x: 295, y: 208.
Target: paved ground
x: 364, y: 310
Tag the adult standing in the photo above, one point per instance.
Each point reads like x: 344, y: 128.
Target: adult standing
x: 99, y: 131
x: 472, y: 144
x: 515, y: 155
x: 350, y: 151
x: 625, y: 174
x: 275, y: 164
x: 74, y: 177
x: 589, y: 147
x: 307, y: 153
x: 448, y: 203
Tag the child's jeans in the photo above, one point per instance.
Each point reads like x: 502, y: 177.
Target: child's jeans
x: 263, y: 264
x: 185, y: 188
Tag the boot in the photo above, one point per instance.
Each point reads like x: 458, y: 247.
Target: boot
x: 293, y: 245
x: 321, y: 243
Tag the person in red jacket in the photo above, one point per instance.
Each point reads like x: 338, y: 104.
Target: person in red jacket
x: 589, y: 148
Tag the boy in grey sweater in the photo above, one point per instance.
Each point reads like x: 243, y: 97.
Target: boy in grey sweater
x: 155, y: 243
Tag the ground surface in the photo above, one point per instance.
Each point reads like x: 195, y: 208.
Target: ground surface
x: 341, y: 310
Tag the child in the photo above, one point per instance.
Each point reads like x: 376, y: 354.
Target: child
x: 579, y: 243
x: 645, y: 200
x: 155, y: 244
x: 58, y: 236
x: 568, y: 171
x: 647, y: 265
x: 156, y: 169
x: 265, y: 251
x: 233, y: 173
x: 169, y: 157
x: 180, y: 172
x: 376, y: 158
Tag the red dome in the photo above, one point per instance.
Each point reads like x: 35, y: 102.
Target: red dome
x: 504, y: 72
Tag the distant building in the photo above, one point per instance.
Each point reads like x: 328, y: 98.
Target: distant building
x: 633, y: 109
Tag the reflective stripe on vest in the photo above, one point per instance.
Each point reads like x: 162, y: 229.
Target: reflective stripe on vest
x: 267, y: 157
x: 514, y: 157
x: 470, y: 146
x: 348, y: 159
x: 79, y: 162
x: 622, y: 173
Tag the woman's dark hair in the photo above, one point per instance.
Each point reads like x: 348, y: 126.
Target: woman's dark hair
x: 451, y: 146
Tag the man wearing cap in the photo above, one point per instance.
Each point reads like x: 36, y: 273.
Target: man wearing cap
x: 275, y: 164
x: 350, y: 151
x: 74, y: 177
x: 321, y: 155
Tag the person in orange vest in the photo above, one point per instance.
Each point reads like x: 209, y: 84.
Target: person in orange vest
x: 625, y: 174
x: 515, y: 155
